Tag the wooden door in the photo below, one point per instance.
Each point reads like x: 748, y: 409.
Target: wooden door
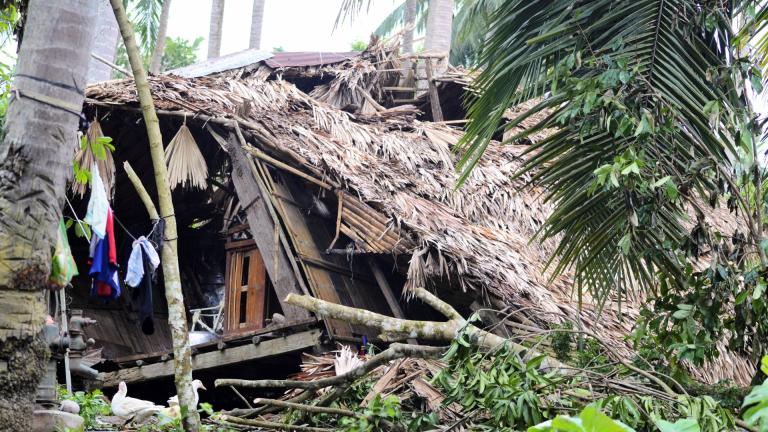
x: 246, y: 286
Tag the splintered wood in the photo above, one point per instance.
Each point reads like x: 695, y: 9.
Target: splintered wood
x: 409, y: 379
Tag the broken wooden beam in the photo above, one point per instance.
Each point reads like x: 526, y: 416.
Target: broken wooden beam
x: 228, y: 356
x: 255, y: 202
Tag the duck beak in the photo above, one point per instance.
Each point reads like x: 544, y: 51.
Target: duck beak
x: 203, y: 387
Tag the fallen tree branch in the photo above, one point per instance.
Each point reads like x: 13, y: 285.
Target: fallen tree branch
x: 250, y: 412
x: 402, y: 328
x: 399, y: 329
x: 395, y: 351
x: 242, y: 398
x: 272, y: 425
x: 432, y: 300
x: 303, y: 407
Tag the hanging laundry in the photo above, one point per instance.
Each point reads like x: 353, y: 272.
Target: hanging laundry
x: 143, y: 295
x: 141, y: 267
x: 104, y: 263
x: 98, y: 206
x: 141, y: 247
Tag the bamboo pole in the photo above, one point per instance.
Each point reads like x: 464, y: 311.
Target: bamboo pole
x: 276, y: 163
x: 143, y: 194
x: 177, y: 320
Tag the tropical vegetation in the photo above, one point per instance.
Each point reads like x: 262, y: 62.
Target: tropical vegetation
x: 653, y: 104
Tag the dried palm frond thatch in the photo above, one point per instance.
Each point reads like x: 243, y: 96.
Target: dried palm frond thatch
x: 85, y: 158
x: 186, y: 165
x: 476, y: 238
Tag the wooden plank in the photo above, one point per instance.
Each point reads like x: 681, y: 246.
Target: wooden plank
x: 237, y: 229
x: 434, y: 96
x: 256, y: 288
x: 320, y: 282
x: 284, y: 280
x: 389, y: 295
x: 238, y: 244
x: 228, y: 356
x: 335, y: 268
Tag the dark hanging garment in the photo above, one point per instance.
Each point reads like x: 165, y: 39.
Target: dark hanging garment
x: 142, y: 295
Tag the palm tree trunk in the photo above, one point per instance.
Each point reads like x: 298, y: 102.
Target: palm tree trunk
x: 407, y: 48
x: 439, y: 30
x: 104, y: 43
x: 257, y: 21
x: 214, y: 33
x: 157, y: 53
x: 177, y: 318
x: 35, y: 162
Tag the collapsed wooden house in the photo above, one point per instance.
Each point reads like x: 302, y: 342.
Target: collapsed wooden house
x: 336, y: 191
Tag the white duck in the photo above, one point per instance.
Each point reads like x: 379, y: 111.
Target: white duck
x: 196, y: 384
x: 125, y: 406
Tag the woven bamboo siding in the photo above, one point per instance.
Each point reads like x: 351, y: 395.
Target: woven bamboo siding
x: 373, y: 231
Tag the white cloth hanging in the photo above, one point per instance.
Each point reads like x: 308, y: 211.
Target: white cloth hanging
x: 135, y: 265
x: 98, y: 206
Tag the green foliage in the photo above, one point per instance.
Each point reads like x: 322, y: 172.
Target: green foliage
x: 683, y: 425
x: 686, y: 324
x: 562, y: 341
x: 650, y: 101
x: 386, y: 414
x: 756, y: 403
x: 180, y: 52
x: 99, y: 148
x: 278, y: 49
x: 635, y: 146
x: 502, y: 386
x: 359, y: 45
x: 470, y: 26
x: 375, y: 415
x: 589, y: 420
x: 92, y: 404
x: 82, y: 230
x: 145, y: 17
x: 10, y: 21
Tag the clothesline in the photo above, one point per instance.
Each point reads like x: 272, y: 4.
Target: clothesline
x: 77, y: 219
x: 87, y: 237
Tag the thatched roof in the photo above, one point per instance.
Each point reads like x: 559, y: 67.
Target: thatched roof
x: 475, y: 238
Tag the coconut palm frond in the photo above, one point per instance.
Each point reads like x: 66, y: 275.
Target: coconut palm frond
x: 145, y: 16
x: 396, y: 19
x: 668, y: 54
x: 186, y: 165
x: 754, y: 31
x: 470, y: 29
x: 349, y: 9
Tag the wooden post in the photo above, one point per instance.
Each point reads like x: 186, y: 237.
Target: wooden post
x: 389, y: 295
x: 143, y: 195
x: 434, y: 97
x: 254, y: 202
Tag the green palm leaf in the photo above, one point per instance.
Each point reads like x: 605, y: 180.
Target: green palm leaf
x: 627, y: 85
